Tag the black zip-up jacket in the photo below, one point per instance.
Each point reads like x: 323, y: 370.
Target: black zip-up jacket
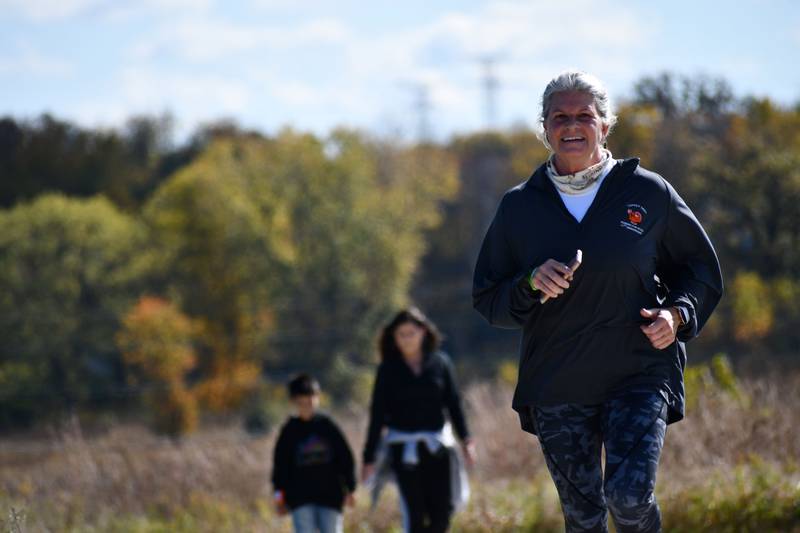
x: 642, y: 248
x: 313, y: 463
x: 407, y: 402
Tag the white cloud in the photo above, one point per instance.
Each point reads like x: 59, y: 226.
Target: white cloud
x: 193, y: 99
x: 122, y: 11
x: 202, y: 39
x: 28, y: 61
x: 51, y: 10
x: 320, y: 72
x: 305, y: 7
x: 48, y: 9
x: 531, y: 42
x: 144, y: 87
x: 297, y: 93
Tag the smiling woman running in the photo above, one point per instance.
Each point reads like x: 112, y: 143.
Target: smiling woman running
x: 602, y: 352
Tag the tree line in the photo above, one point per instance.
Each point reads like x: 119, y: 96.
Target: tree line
x: 186, y: 279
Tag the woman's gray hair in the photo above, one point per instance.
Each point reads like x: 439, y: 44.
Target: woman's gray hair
x: 573, y: 80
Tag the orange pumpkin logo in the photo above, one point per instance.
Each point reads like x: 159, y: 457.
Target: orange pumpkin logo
x: 634, y: 217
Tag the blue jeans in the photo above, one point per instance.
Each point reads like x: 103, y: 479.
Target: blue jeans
x: 311, y: 518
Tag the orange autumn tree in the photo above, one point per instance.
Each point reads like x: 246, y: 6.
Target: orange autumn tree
x: 157, y: 345
x: 224, y: 254
x: 292, y: 250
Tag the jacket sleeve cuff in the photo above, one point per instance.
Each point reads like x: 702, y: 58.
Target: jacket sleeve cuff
x: 522, y: 284
x: 686, y: 308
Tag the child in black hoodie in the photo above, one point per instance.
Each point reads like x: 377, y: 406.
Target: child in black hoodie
x: 313, y: 471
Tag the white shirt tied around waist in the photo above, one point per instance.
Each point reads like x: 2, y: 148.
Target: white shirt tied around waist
x: 434, y: 440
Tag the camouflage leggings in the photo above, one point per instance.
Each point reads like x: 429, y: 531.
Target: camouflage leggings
x: 632, y: 428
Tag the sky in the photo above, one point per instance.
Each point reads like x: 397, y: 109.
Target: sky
x: 315, y: 65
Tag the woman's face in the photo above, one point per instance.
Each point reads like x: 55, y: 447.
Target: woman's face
x: 575, y: 131
x: 409, y: 337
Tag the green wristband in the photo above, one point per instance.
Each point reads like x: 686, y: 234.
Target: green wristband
x: 530, y: 279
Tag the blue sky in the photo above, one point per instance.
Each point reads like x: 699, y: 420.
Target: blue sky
x: 316, y: 64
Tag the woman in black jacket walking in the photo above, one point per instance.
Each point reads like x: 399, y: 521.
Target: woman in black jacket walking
x: 414, y: 386
x: 602, y: 352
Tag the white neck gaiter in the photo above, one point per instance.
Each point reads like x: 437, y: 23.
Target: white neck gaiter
x: 577, y: 182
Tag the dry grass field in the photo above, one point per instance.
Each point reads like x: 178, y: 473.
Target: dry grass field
x: 732, y: 465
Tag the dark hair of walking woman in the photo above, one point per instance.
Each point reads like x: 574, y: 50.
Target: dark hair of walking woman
x: 388, y: 346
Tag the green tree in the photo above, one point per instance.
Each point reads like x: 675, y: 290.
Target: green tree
x: 359, y: 228
x: 68, y: 270
x: 751, y: 180
x: 753, y: 309
x: 224, y: 256
x: 52, y: 155
x: 315, y: 238
x: 748, y: 185
x: 488, y: 165
x: 635, y: 132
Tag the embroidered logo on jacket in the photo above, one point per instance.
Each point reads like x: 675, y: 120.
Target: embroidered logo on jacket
x: 635, y: 217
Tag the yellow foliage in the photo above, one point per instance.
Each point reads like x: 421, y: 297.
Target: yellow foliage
x: 175, y: 410
x: 228, y: 384
x: 753, y: 312
x: 714, y: 377
x: 786, y: 295
x: 635, y: 132
x: 527, y: 153
x: 157, y: 339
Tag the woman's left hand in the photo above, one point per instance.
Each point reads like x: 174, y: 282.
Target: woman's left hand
x: 468, y: 447
x: 663, y: 329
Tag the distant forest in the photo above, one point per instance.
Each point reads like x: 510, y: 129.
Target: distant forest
x: 192, y: 278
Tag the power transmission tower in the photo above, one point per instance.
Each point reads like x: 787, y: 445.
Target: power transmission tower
x: 491, y: 85
x: 421, y: 107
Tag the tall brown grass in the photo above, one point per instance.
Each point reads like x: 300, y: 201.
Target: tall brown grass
x: 127, y: 479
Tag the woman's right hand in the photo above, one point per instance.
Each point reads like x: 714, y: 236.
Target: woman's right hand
x: 367, y: 471
x: 551, y: 278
